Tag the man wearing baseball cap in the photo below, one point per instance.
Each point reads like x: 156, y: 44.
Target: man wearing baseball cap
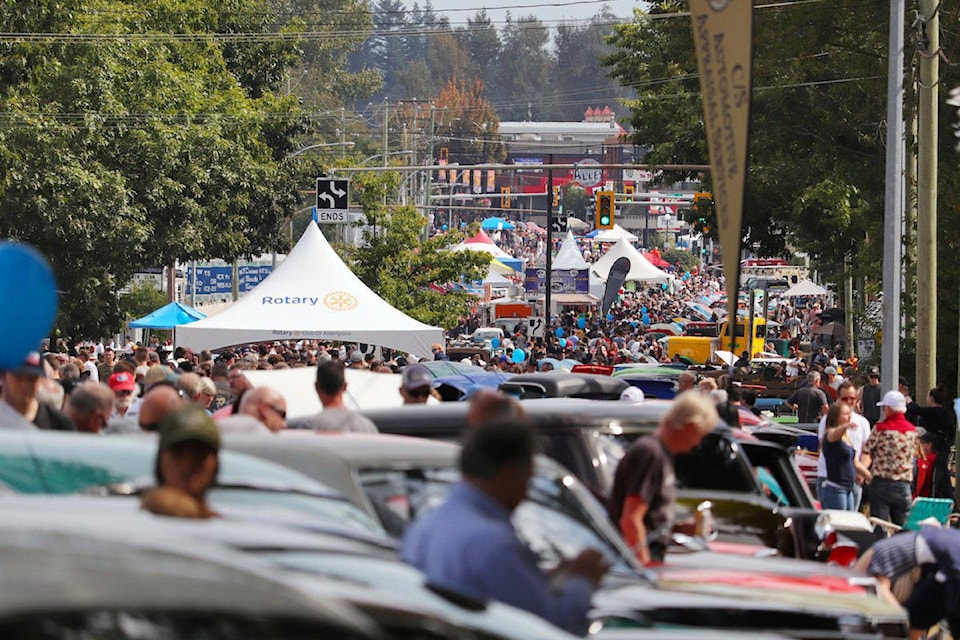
x: 123, y: 385
x: 892, y: 446
x: 187, y: 464
x: 18, y: 398
x: 417, y: 384
x: 870, y: 396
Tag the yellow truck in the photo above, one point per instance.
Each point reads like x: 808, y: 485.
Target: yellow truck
x: 703, y: 350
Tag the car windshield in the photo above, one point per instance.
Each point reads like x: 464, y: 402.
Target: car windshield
x: 558, y: 520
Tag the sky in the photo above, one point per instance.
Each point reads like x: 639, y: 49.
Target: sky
x: 548, y: 11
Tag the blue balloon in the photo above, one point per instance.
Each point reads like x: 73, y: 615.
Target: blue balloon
x: 581, y: 322
x: 574, y: 339
x: 25, y: 277
x: 559, y: 332
x: 563, y: 342
x: 664, y: 286
x: 643, y: 309
x: 443, y: 228
x: 645, y: 319
x: 495, y: 343
x: 609, y: 317
x: 519, y: 356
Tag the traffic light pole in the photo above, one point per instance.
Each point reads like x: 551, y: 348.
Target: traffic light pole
x: 547, y: 279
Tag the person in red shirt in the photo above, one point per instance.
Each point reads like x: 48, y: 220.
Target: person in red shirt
x: 925, y: 463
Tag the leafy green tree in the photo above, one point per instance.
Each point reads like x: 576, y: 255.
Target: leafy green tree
x: 138, y: 301
x: 469, y: 127
x: 138, y: 151
x: 581, y: 79
x: 524, y: 86
x: 403, y: 271
x: 482, y: 43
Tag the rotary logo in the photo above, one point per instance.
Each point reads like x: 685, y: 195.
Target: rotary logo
x: 339, y: 301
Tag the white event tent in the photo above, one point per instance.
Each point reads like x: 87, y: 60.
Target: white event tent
x: 641, y: 270
x: 614, y: 235
x: 569, y: 256
x: 804, y: 288
x: 311, y: 295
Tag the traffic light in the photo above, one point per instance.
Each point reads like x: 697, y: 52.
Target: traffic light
x: 703, y: 213
x: 556, y: 196
x: 628, y: 192
x: 605, y: 210
x: 504, y: 197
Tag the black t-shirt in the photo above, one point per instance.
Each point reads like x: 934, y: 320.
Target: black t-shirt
x: 646, y: 470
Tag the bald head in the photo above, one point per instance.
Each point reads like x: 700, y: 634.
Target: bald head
x: 266, y: 405
x: 159, y: 402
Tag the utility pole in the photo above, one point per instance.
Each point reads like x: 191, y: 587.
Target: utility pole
x: 927, y: 201
x: 386, y: 129
x: 430, y: 161
x: 893, y: 203
x: 547, y: 278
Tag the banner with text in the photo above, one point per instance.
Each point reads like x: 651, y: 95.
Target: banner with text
x: 723, y: 39
x: 561, y: 281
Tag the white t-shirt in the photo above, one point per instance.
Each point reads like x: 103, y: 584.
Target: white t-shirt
x: 857, y: 437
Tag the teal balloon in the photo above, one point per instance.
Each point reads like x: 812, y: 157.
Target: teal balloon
x: 609, y: 317
x: 29, y: 293
x: 563, y: 342
x: 495, y: 343
x: 581, y: 322
x: 559, y: 332
x: 519, y: 356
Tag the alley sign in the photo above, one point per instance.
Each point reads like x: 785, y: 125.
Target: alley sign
x: 588, y: 173
x: 333, y: 200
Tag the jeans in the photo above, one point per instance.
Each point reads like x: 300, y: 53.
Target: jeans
x: 890, y: 500
x: 834, y: 497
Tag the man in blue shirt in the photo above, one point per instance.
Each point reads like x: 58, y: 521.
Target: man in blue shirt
x: 468, y: 544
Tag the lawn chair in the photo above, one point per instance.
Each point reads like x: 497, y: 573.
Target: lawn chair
x: 921, y: 511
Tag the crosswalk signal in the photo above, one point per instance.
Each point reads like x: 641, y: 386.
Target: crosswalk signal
x: 605, y: 210
x: 504, y: 197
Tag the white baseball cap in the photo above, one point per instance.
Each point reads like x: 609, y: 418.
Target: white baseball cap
x: 894, y: 400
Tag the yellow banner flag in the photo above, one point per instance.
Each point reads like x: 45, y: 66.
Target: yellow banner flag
x: 723, y: 38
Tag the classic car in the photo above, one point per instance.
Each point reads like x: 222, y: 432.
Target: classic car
x: 589, y: 437
x: 61, y: 581
x: 397, y: 478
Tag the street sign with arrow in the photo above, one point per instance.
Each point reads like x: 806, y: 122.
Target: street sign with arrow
x: 333, y: 200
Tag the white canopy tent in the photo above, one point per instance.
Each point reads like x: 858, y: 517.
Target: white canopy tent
x: 569, y: 255
x: 311, y: 295
x: 640, y: 268
x: 804, y: 288
x: 614, y: 235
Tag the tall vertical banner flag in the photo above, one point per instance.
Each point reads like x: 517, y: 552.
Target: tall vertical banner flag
x: 723, y: 38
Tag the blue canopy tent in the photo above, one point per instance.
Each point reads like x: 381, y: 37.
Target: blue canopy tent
x: 497, y: 224
x: 168, y: 317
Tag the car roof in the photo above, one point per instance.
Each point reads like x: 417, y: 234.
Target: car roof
x: 547, y: 414
x: 559, y: 383
x: 79, y: 461
x: 55, y: 561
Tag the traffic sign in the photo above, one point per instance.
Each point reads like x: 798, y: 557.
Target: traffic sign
x: 536, y: 327
x: 333, y: 200
x: 558, y: 225
x: 588, y: 173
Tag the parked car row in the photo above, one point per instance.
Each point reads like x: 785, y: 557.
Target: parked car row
x: 320, y: 514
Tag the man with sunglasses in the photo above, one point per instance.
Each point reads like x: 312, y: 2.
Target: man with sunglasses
x: 262, y: 410
x: 847, y: 394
